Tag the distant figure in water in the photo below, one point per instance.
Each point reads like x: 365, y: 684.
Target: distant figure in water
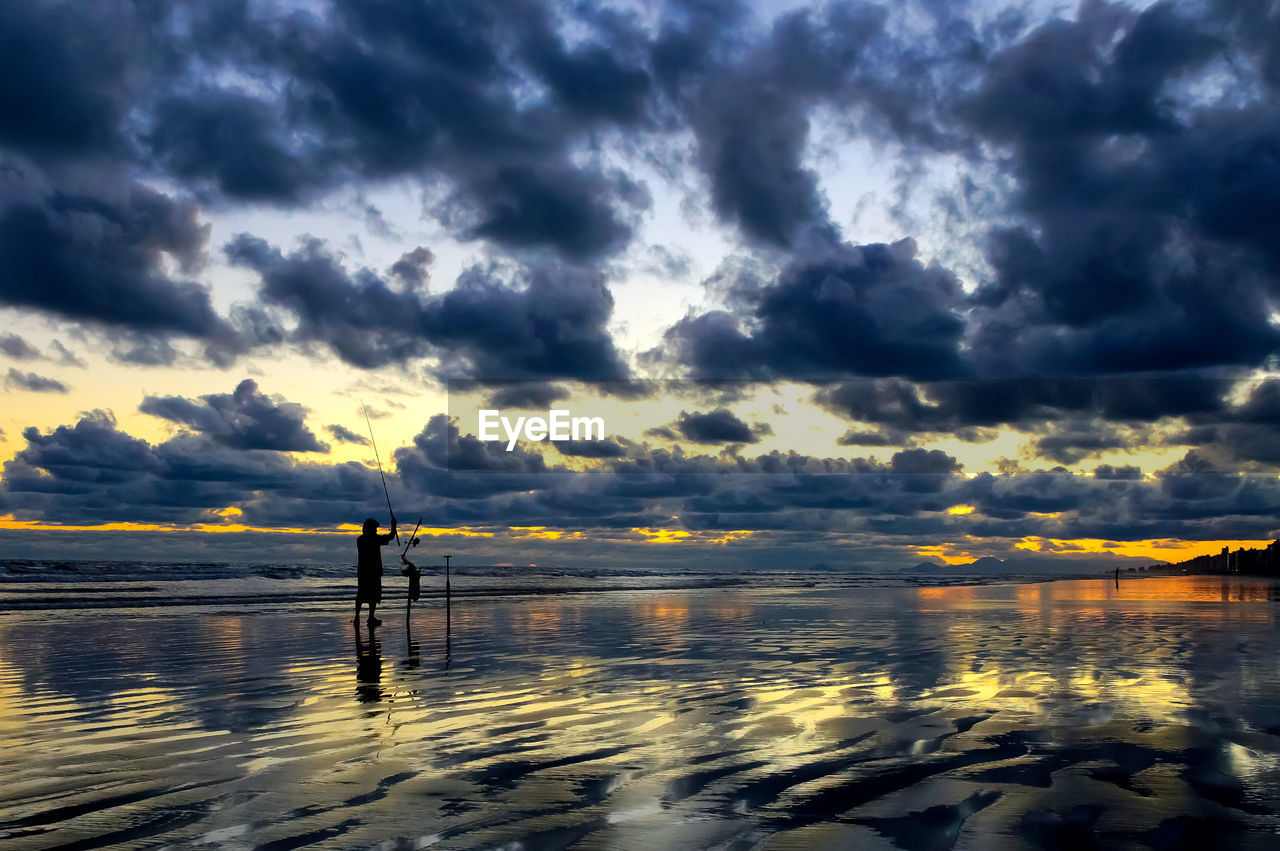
x: 369, y: 568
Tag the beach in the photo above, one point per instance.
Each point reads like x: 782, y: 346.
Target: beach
x: 1068, y: 714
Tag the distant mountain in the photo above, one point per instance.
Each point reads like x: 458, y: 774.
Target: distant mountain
x: 990, y: 565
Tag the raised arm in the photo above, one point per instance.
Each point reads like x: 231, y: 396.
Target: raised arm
x: 390, y: 536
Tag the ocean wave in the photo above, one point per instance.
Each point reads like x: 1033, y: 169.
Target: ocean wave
x: 30, y: 585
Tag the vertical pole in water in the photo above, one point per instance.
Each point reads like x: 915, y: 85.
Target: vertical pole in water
x: 448, y: 616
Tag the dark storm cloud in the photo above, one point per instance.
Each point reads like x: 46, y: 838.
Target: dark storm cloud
x: 885, y: 437
x: 443, y: 463
x: 65, y: 75
x: 92, y: 472
x: 376, y: 90
x: 366, y: 322
x: 869, y: 310
x: 1136, y: 235
x: 413, y: 268
x: 535, y: 395
x: 33, y: 383
x: 244, y: 419
x: 1126, y: 472
x: 593, y: 448
x: 342, y: 434
x: 1245, y: 432
x: 527, y: 206
x: 964, y: 407
x: 1070, y: 441
x: 926, y: 461
x: 718, y: 426
x: 750, y: 98
x: 230, y: 142
x: 553, y: 326
x: 367, y: 91
x: 1143, y: 246
x: 17, y: 348
x: 96, y: 256
x: 141, y: 349
x: 551, y: 321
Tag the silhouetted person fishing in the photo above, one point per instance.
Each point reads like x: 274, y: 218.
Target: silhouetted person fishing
x: 369, y: 567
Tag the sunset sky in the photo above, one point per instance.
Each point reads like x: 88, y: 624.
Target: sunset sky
x: 852, y: 285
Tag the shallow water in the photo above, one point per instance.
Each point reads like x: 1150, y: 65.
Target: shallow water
x: 1054, y: 715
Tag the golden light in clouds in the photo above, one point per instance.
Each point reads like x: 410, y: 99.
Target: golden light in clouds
x: 542, y: 533
x: 680, y: 536
x: 948, y: 553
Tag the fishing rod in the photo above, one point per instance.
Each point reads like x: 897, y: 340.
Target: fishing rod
x: 413, y: 539
x: 374, y: 441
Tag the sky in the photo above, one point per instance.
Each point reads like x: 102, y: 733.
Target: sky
x: 852, y: 285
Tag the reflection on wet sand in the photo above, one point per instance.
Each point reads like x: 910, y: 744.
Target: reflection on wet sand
x: 368, y: 665
x: 1069, y: 714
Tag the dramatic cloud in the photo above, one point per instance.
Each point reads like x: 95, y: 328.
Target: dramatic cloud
x: 73, y: 62
x: 549, y: 322
x: 1142, y: 245
x: 864, y: 310
x: 33, y: 383
x: 718, y: 426
x: 750, y: 116
x: 99, y: 256
x: 94, y: 473
x: 17, y: 348
x: 245, y: 419
x: 411, y: 269
x: 535, y: 395
x: 961, y: 405
x: 342, y: 434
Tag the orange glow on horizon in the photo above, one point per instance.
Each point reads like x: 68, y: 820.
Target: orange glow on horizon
x: 1158, y: 549
x: 952, y: 552
x: 7, y: 521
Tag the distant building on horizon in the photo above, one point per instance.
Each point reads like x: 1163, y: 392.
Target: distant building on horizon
x: 1256, y: 562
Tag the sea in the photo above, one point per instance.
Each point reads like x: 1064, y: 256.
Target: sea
x: 50, y: 585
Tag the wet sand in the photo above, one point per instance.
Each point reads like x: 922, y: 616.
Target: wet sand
x: 1054, y: 715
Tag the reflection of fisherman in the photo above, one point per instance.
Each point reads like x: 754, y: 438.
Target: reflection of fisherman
x: 369, y: 567
x: 368, y: 667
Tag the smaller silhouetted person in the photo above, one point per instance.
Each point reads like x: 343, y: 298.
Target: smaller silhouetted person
x: 369, y: 567
x: 411, y: 570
